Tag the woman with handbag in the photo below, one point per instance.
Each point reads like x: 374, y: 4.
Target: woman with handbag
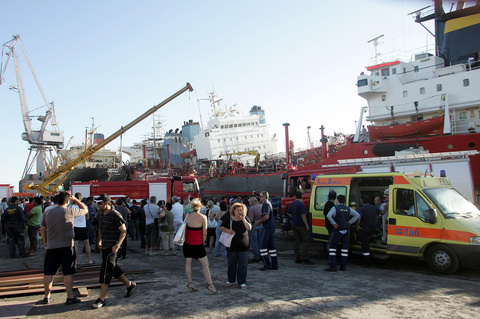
x: 239, y: 225
x: 219, y: 247
x: 195, y: 235
x: 211, y: 227
x: 168, y: 229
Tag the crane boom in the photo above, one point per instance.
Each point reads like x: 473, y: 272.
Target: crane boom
x: 42, y: 187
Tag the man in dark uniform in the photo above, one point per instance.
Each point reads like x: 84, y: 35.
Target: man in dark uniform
x: 341, y: 218
x: 267, y: 248
x: 301, y: 229
x: 367, y: 224
x: 15, y: 220
x: 111, y: 233
x: 328, y: 206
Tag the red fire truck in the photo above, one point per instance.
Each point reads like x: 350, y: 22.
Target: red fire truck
x: 163, y: 188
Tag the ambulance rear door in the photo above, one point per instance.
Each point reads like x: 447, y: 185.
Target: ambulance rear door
x: 322, y: 186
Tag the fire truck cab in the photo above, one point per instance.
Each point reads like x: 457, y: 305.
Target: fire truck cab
x: 427, y: 217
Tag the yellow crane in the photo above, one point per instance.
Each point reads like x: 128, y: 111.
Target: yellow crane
x: 62, y: 171
x: 253, y: 153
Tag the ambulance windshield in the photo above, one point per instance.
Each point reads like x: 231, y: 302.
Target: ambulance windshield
x: 451, y: 203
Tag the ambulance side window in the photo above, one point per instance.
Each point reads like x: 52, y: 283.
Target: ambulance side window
x: 321, y: 195
x: 404, y: 204
x: 422, y: 208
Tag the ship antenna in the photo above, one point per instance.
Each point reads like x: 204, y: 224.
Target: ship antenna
x: 375, y: 44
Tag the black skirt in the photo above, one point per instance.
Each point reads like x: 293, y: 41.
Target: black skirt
x: 194, y: 251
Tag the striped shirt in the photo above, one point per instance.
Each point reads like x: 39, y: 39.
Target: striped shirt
x: 108, y: 225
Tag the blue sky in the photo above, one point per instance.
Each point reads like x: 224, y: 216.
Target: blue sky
x: 112, y: 60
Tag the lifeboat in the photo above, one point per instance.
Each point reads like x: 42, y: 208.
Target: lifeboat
x: 432, y: 126
x: 190, y: 154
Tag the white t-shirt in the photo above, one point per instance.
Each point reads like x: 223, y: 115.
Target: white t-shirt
x: 79, y: 221
x: 177, y: 210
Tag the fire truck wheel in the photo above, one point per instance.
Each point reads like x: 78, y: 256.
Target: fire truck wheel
x: 442, y: 259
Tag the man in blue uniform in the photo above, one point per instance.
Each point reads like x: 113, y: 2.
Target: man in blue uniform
x: 15, y: 220
x: 341, y: 218
x: 367, y: 224
x: 301, y: 229
x: 267, y: 249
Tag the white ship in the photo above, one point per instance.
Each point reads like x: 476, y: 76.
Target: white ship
x: 229, y: 132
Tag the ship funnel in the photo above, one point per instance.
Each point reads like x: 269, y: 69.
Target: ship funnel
x: 287, y: 146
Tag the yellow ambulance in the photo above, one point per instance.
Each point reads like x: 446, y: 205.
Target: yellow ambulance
x: 426, y: 217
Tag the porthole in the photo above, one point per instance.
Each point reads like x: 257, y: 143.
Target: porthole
x: 471, y: 145
x: 449, y: 146
x: 365, y: 152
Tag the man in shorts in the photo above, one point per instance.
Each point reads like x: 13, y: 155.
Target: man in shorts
x: 111, y: 233
x: 57, y: 234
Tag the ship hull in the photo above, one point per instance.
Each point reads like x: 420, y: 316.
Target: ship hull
x: 93, y: 174
x: 243, y: 184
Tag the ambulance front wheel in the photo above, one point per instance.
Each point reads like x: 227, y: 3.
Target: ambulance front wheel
x: 442, y: 259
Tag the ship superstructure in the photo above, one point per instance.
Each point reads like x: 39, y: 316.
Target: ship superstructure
x: 230, y: 132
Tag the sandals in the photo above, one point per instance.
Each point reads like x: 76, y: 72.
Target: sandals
x: 212, y: 291
x: 191, y: 287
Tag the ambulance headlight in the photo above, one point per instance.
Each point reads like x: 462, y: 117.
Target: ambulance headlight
x: 474, y: 240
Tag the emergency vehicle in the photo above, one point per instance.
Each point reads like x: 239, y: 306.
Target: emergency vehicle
x: 427, y: 217
x: 164, y: 188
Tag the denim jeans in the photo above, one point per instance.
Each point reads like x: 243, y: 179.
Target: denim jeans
x: 237, y: 266
x: 218, y: 245
x: 255, y: 236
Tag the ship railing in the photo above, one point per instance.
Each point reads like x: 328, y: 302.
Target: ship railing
x: 403, y: 56
x: 463, y: 126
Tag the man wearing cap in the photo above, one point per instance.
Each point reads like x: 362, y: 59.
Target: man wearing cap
x: 58, y: 238
x: 111, y: 233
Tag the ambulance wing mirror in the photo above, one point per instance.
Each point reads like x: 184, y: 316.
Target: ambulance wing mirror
x: 430, y: 216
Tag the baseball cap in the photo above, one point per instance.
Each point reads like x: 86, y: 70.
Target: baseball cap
x: 104, y: 198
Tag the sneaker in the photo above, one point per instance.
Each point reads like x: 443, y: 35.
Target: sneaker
x: 99, y: 303
x: 330, y: 269
x: 264, y: 268
x: 130, y: 289
x: 228, y: 284
x: 243, y: 286
x: 298, y: 261
x: 71, y: 301
x: 44, y: 301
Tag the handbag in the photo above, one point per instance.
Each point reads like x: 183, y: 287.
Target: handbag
x: 211, y: 223
x: 164, y: 223
x: 180, y: 235
x: 226, y: 238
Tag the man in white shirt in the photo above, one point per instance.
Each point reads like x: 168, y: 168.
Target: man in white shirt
x: 81, y: 233
x: 151, y: 212
x: 177, y: 210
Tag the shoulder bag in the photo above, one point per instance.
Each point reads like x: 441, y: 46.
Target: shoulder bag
x: 226, y: 238
x: 180, y: 235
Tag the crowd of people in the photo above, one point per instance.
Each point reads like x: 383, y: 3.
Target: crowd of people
x: 71, y: 224
x: 66, y: 222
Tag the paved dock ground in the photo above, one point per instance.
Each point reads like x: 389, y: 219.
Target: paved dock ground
x: 394, y: 288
